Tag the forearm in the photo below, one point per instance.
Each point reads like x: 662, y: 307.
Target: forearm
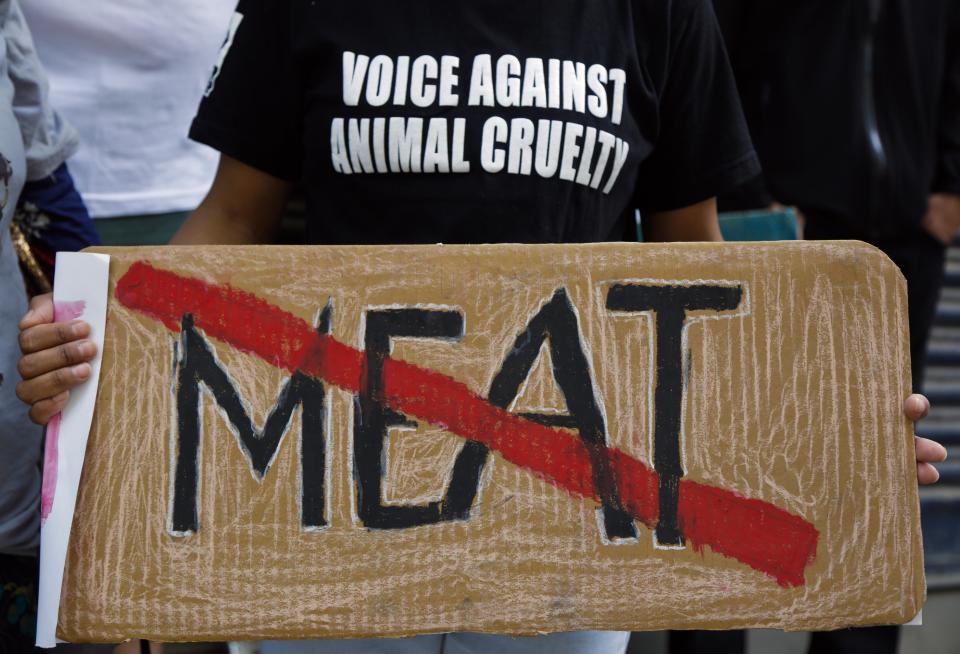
x: 697, y: 222
x: 244, y: 206
x: 212, y: 224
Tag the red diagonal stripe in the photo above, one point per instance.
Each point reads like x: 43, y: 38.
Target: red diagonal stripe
x: 759, y: 534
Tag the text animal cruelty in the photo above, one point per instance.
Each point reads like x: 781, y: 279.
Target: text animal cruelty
x: 526, y: 144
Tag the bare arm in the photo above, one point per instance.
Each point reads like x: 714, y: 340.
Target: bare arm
x: 697, y: 222
x: 244, y: 205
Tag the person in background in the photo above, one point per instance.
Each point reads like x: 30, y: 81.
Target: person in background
x: 34, y: 144
x: 854, y: 108
x: 129, y: 74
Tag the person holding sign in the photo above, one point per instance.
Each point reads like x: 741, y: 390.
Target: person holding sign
x: 460, y: 123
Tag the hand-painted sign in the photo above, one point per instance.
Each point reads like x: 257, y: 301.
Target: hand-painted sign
x: 394, y: 440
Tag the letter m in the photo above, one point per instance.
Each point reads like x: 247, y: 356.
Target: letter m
x: 198, y: 365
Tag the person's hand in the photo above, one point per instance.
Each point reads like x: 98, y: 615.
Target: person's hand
x: 55, y: 359
x: 929, y: 452
x: 943, y: 217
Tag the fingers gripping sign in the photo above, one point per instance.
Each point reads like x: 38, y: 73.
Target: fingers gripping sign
x: 916, y: 407
x: 56, y: 355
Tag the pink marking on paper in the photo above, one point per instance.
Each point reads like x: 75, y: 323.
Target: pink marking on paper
x: 62, y: 311
x: 49, y: 486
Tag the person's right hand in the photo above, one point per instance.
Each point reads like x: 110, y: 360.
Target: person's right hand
x: 55, y: 359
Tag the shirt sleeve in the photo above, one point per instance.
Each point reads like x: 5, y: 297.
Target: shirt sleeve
x: 947, y: 178
x: 702, y: 147
x: 48, y: 140
x: 252, y: 107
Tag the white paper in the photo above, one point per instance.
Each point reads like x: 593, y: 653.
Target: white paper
x: 79, y: 291
x: 917, y: 620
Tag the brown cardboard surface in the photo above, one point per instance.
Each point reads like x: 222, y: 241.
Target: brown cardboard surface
x: 791, y: 401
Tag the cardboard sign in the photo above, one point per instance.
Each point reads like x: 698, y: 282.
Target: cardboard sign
x: 357, y: 441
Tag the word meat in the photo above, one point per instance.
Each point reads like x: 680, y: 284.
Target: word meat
x: 391, y: 392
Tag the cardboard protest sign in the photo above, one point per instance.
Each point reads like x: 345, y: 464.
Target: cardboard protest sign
x: 296, y: 442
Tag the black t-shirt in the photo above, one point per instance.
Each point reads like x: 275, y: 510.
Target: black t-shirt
x: 472, y: 121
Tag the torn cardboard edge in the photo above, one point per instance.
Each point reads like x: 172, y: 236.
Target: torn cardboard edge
x: 80, y: 291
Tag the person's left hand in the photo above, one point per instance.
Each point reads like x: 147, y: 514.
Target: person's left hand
x: 942, y: 220
x: 929, y: 452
